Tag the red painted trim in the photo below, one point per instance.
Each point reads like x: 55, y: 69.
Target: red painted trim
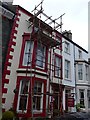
x: 13, y: 37
x: 26, y: 36
x: 3, y: 100
x: 24, y: 11
x: 3, y: 110
x: 28, y: 114
x: 6, y: 81
x: 8, y: 64
x: 8, y: 56
x: 4, y: 90
x: 11, y: 49
x: 18, y: 14
x: 13, y: 43
x: 7, y: 72
x: 17, y: 19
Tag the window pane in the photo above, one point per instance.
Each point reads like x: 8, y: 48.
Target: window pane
x: 24, y: 87
x: 88, y: 96
x: 22, y: 102
x: 80, y: 73
x: 80, y: 54
x: 67, y: 47
x: 86, y: 72
x: 67, y: 69
x: 38, y: 98
x: 40, y: 60
x: 27, y: 53
x: 57, y: 66
x: 23, y: 95
x: 82, y: 97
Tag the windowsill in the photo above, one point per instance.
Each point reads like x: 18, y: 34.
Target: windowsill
x: 19, y: 70
x: 67, y: 53
x: 57, y: 77
x: 42, y: 68
x: 36, y: 111
x: 80, y: 80
x: 20, y: 112
x: 68, y: 79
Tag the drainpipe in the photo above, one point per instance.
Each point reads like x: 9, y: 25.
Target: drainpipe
x: 75, y: 75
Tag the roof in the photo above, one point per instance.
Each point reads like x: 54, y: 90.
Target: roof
x: 75, y: 44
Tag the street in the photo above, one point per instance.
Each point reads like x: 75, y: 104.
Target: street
x: 74, y: 116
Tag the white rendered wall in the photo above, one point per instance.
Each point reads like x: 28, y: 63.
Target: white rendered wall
x: 15, y: 61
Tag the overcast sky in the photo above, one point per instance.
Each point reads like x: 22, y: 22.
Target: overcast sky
x: 75, y: 18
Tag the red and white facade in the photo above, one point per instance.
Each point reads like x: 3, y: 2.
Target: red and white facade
x: 31, y: 67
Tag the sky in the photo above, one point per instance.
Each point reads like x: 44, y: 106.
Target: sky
x: 75, y: 18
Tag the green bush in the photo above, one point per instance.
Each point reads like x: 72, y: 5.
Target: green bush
x: 78, y: 106
x: 8, y: 115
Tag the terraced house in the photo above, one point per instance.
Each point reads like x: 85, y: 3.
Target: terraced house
x: 40, y: 65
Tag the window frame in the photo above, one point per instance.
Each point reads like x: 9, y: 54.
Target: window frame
x: 26, y: 37
x: 19, y: 95
x: 44, y: 57
x: 87, y: 72
x: 25, y: 52
x: 59, y: 57
x: 67, y: 47
x: 41, y: 104
x: 80, y: 98
x: 29, y: 106
x: 79, y: 54
x: 80, y: 72
x: 69, y: 73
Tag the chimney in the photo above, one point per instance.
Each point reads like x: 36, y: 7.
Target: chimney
x: 67, y: 34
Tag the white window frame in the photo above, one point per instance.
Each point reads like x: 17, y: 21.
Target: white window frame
x: 79, y: 54
x: 80, y: 72
x: 22, y: 94
x: 41, y: 104
x: 67, y: 69
x: 43, y: 56
x: 67, y: 47
x: 28, y: 53
x: 58, y: 62
x: 88, y: 97
x: 82, y: 90
x: 87, y: 72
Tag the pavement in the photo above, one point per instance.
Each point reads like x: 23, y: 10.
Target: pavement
x: 74, y: 116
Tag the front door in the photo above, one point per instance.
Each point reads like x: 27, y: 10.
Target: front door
x: 56, y: 105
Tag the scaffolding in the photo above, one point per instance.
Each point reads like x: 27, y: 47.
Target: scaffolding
x: 39, y: 30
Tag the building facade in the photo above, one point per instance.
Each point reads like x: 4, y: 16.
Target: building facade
x: 41, y: 68
x: 82, y: 78
x: 32, y: 73
x: 68, y: 72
